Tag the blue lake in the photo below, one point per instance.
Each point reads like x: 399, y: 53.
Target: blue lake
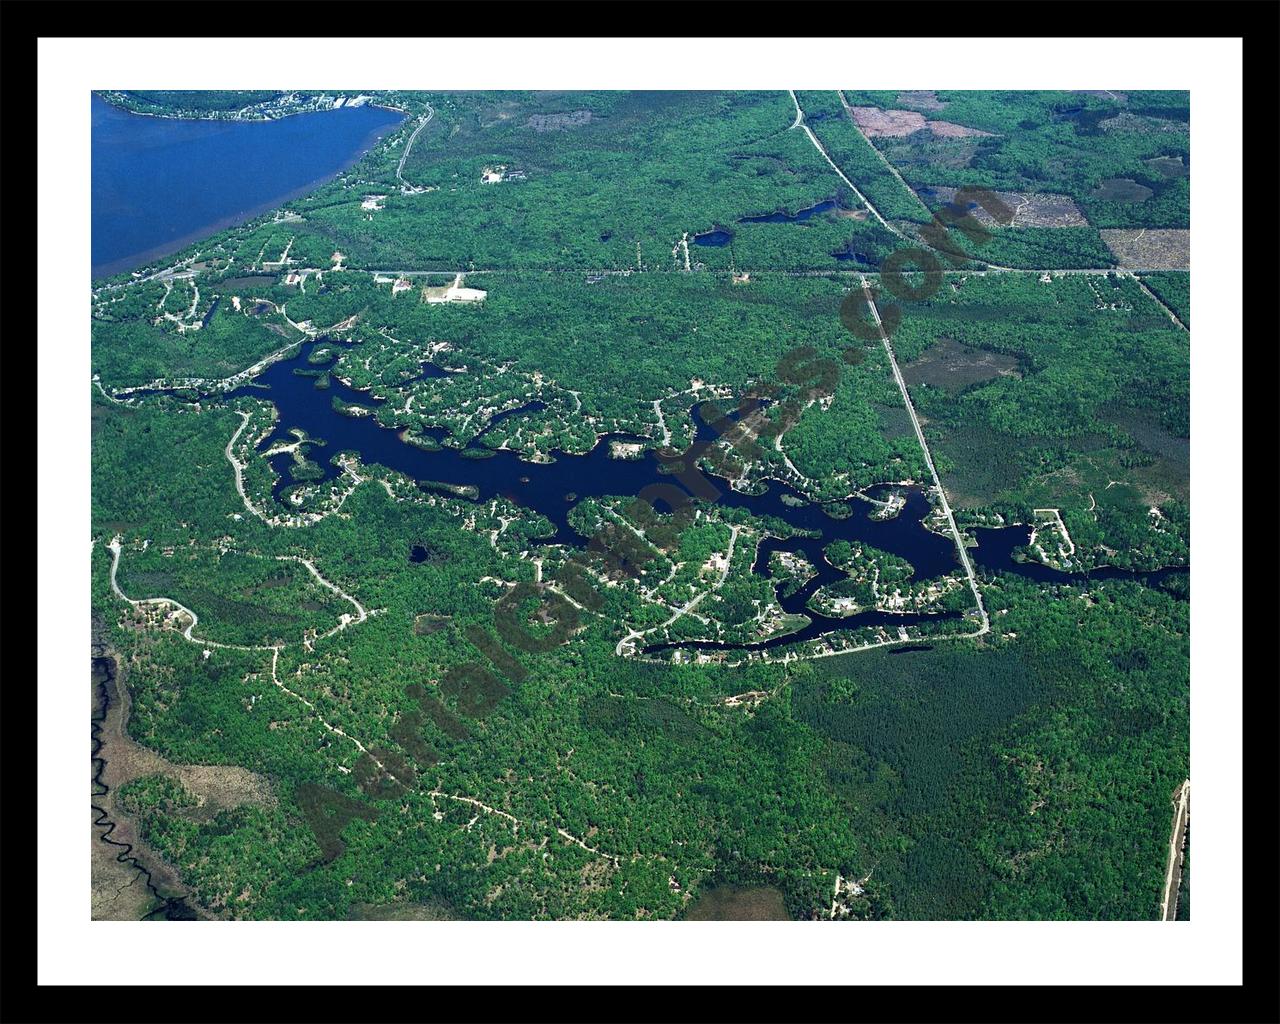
x: 159, y: 184
x: 782, y: 217
x: 719, y: 237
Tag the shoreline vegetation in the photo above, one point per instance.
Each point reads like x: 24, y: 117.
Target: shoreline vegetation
x: 268, y: 106
x: 297, y: 159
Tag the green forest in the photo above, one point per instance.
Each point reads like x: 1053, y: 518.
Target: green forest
x: 359, y: 659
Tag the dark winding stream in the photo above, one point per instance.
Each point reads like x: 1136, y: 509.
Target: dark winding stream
x: 103, y: 671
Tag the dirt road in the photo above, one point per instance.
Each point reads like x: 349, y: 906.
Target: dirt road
x: 404, y: 185
x: 892, y: 170
x: 912, y: 242
x: 1177, y: 844
x: 799, y: 123
x: 928, y: 458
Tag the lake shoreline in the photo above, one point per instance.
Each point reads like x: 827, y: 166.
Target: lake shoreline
x: 137, y: 165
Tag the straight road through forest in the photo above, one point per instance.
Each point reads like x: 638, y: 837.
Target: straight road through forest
x: 928, y: 458
x: 1177, y: 844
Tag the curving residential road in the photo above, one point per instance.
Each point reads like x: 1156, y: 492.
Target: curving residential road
x: 344, y: 620
x: 689, y: 605
x: 114, y: 548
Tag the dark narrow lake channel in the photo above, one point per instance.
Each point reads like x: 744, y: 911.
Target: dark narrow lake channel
x: 546, y: 487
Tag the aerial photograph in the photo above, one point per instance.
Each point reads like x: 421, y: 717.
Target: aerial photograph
x: 639, y: 506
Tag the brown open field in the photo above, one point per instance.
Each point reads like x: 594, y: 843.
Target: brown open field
x: 1030, y: 209
x: 1164, y: 469
x: 876, y: 123
x: 427, y: 623
x: 1149, y: 248
x: 119, y: 890
x: 403, y: 912
x: 1169, y: 166
x: 1106, y: 94
x: 1122, y: 190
